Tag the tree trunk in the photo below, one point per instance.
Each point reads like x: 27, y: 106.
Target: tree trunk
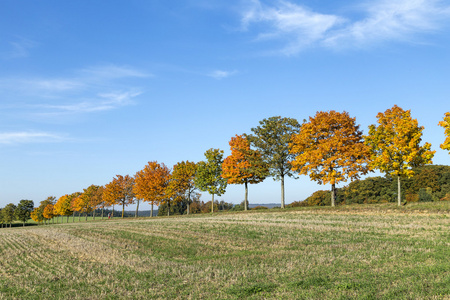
x: 79, y: 216
x: 333, y: 194
x: 85, y: 216
x: 112, y: 214
x: 399, y: 196
x: 246, y: 196
x: 123, y: 209
x: 151, y: 211
x: 73, y: 217
x: 168, y: 207
x: 103, y: 208
x: 212, y: 204
x: 188, y: 209
x: 23, y: 224
x: 93, y: 214
x: 67, y: 219
x: 137, y: 210
x: 282, y: 191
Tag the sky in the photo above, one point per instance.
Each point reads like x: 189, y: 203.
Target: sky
x: 92, y: 89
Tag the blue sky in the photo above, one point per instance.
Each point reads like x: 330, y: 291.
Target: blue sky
x: 91, y: 89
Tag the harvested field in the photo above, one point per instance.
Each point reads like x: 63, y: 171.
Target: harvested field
x: 313, y: 254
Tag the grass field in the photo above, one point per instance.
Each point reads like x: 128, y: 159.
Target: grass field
x: 353, y: 252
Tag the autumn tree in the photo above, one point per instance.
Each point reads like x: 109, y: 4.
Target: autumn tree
x: 42, y: 205
x: 182, y: 182
x: 395, y: 145
x: 272, y: 139
x: 63, y: 206
x: 8, y: 213
x: 244, y: 165
x: 209, y: 174
x: 120, y: 191
x: 49, y: 212
x: 23, y: 210
x: 446, y: 125
x: 151, y: 183
x: 330, y: 148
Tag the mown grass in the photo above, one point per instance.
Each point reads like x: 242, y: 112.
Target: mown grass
x: 361, y: 252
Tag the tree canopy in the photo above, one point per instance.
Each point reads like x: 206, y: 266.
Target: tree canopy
x: 272, y: 139
x: 330, y: 148
x: 395, y: 144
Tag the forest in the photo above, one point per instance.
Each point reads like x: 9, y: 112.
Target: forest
x: 330, y: 148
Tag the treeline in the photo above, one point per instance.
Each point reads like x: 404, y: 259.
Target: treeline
x: 431, y: 183
x: 330, y: 148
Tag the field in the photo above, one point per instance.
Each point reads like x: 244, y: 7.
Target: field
x: 356, y: 252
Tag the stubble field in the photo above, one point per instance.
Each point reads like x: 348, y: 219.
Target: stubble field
x: 373, y: 253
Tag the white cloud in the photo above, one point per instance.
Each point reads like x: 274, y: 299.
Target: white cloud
x: 392, y: 20
x: 384, y: 20
x: 295, y: 24
x: 90, y: 90
x: 103, y: 102
x: 28, y: 137
x: 108, y: 72
x: 220, y: 74
x: 19, y: 48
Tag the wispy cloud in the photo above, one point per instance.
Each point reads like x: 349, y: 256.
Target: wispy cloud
x: 88, y: 90
x: 19, y: 48
x: 384, y: 20
x: 220, y: 74
x: 103, y: 102
x: 9, y: 138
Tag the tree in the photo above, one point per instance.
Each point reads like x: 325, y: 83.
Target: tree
x: 8, y: 213
x: 395, y: 145
x: 40, y: 211
x: 49, y: 212
x: 272, y: 139
x: 244, y: 165
x: 182, y: 184
x: 95, y: 196
x: 446, y: 125
x: 63, y: 206
x: 120, y: 191
x: 23, y: 210
x: 209, y: 174
x: 151, y: 183
x: 330, y: 148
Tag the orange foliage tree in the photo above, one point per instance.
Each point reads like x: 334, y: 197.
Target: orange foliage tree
x: 182, y: 184
x: 49, y: 212
x: 330, y: 148
x: 446, y: 125
x: 395, y: 145
x: 244, y: 165
x: 120, y: 191
x: 151, y: 183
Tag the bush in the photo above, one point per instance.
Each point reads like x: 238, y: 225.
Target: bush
x: 259, y: 207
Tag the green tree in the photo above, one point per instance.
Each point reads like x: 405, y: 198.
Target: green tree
x: 395, y: 145
x: 8, y: 213
x: 209, y: 174
x: 23, y: 210
x: 272, y: 139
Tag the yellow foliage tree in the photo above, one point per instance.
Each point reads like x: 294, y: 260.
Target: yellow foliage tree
x: 63, y: 206
x: 330, y: 148
x: 446, y: 125
x: 395, y: 145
